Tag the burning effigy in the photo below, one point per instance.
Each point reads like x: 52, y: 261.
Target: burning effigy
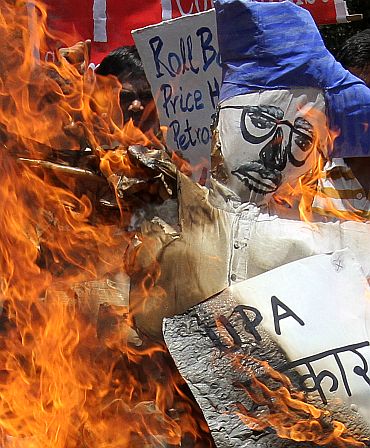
x: 116, y: 266
x: 282, y: 107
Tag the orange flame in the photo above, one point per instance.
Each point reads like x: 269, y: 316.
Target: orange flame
x: 302, y: 194
x: 287, y: 412
x: 63, y: 381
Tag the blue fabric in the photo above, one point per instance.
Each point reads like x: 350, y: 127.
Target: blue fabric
x: 278, y: 46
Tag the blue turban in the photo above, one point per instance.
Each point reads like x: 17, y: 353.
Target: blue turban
x: 272, y: 46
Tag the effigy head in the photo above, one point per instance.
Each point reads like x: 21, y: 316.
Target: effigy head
x: 282, y: 99
x: 269, y: 139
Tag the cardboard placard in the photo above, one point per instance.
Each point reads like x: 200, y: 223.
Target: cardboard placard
x: 181, y: 61
x: 309, y: 317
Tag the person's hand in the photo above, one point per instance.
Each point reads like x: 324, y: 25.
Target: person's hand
x: 78, y: 55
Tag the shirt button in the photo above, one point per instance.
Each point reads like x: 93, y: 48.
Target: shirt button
x: 236, y: 246
x: 359, y: 196
x: 233, y: 277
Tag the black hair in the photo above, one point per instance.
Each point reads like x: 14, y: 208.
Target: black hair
x: 122, y: 61
x: 356, y: 51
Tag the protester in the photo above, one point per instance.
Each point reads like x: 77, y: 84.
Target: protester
x: 136, y: 98
x: 345, y: 183
x: 355, y: 55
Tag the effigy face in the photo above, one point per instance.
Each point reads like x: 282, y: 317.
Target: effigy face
x: 270, y: 138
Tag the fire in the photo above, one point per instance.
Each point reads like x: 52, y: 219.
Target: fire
x: 67, y: 380
x: 198, y: 172
x: 300, y: 196
x: 286, y: 411
x: 70, y: 374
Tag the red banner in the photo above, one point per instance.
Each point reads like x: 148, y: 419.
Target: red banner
x: 323, y: 11
x: 108, y: 23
